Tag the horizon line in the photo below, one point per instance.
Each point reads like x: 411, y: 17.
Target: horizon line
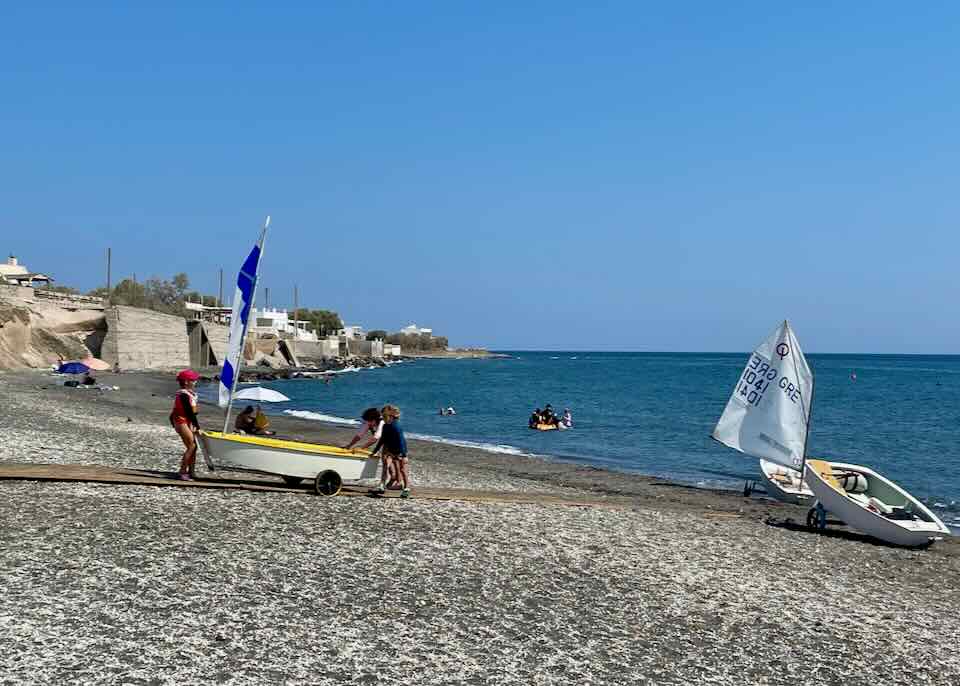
x: 700, y: 352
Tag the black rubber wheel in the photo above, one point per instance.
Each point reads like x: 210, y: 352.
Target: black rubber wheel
x: 812, y: 519
x: 328, y: 482
x: 292, y: 480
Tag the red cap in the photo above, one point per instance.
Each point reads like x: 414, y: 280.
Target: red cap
x: 187, y: 375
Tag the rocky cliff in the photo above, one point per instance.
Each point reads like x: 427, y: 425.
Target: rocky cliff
x: 36, y: 334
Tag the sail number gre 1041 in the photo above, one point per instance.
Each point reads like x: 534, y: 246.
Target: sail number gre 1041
x: 756, y: 379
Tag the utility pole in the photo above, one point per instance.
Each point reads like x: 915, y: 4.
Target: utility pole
x: 266, y: 298
x: 220, y: 297
x: 296, y: 322
x: 108, y: 272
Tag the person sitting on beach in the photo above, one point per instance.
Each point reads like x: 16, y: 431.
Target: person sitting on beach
x: 394, y: 446
x: 183, y: 418
x: 261, y: 425
x: 245, y: 420
x: 371, y: 430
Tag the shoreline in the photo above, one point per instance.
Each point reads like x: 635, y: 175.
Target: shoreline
x: 631, y: 579
x: 482, y: 462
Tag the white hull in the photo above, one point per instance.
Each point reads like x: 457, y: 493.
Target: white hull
x: 793, y: 493
x: 921, y: 530
x: 284, y: 458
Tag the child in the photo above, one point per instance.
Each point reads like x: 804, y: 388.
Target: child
x: 394, y: 447
x: 183, y: 418
x: 371, y: 430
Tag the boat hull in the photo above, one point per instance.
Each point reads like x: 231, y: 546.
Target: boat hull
x: 785, y: 493
x: 912, y: 533
x: 284, y: 458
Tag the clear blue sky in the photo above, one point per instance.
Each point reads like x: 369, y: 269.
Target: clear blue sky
x: 616, y: 175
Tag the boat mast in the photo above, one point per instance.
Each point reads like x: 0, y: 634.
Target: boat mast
x: 243, y: 335
x: 808, y: 414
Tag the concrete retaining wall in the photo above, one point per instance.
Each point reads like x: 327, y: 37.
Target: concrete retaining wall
x: 143, y: 339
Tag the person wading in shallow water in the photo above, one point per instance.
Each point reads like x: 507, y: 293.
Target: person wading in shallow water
x: 183, y: 418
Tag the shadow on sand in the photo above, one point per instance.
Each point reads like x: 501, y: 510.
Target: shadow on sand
x: 843, y: 534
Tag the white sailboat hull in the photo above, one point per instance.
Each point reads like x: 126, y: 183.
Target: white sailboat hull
x: 793, y: 493
x: 923, y: 528
x: 284, y: 458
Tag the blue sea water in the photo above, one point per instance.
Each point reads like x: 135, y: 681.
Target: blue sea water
x: 652, y: 413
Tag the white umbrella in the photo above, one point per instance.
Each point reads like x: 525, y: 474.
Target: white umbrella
x: 261, y: 395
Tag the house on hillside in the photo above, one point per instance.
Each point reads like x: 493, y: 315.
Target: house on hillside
x: 15, y: 274
x: 414, y: 330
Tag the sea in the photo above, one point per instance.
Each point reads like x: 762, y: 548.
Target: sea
x: 652, y: 413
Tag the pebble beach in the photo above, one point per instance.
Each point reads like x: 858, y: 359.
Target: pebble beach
x: 635, y: 581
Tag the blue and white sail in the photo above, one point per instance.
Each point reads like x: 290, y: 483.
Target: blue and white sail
x: 242, y: 305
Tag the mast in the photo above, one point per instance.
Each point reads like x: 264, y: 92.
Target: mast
x: 808, y: 414
x: 243, y: 335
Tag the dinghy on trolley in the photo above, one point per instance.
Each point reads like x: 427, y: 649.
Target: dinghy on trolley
x: 768, y: 416
x: 328, y: 466
x: 870, y: 503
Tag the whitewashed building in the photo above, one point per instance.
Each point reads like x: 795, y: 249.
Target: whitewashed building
x: 352, y: 332
x: 278, y: 322
x: 14, y: 273
x: 414, y: 330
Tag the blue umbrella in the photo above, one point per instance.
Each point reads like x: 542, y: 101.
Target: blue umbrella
x: 73, y: 368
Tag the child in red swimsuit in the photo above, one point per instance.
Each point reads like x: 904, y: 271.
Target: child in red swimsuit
x: 184, y: 420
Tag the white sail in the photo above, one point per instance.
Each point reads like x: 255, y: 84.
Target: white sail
x: 769, y: 411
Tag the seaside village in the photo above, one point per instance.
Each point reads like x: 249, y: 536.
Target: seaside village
x: 41, y: 325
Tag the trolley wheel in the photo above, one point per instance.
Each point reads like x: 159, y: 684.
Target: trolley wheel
x: 328, y: 482
x: 817, y: 518
x: 292, y: 480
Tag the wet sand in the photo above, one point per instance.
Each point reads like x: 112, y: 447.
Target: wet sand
x: 665, y: 584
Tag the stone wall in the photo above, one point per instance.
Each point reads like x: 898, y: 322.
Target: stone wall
x: 143, y: 339
x: 309, y: 351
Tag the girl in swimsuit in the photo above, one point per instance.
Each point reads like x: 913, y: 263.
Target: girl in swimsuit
x: 183, y: 418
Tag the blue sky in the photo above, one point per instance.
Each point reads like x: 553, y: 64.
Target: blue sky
x: 618, y: 176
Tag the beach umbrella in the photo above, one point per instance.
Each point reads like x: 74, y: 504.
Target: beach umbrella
x: 261, y: 395
x: 96, y: 364
x: 73, y: 368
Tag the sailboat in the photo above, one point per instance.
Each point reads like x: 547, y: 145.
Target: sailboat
x: 328, y: 466
x: 768, y: 417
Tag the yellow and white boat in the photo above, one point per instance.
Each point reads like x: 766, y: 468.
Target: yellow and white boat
x: 327, y: 465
